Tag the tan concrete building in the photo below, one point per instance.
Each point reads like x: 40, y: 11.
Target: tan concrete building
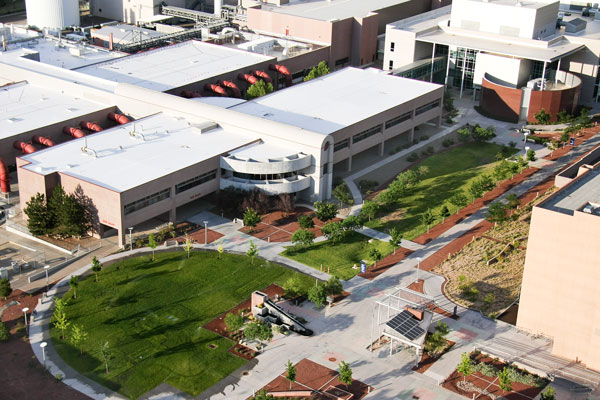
x: 559, y: 295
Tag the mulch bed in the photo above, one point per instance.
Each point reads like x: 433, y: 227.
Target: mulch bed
x: 427, y: 361
x: 279, y: 227
x: 218, y: 326
x: 519, y: 391
x: 339, y: 298
x: 469, y: 210
x: 386, y: 264
x: 197, y: 236
x: 319, y: 379
x: 23, y: 377
x: 558, y: 153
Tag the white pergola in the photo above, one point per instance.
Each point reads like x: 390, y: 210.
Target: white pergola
x: 392, y: 305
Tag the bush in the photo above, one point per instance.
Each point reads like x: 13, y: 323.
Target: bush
x: 4, y: 333
x: 412, y: 157
x: 485, y: 369
x: 366, y: 186
x: 293, y: 287
x: 512, y: 144
x: 430, y: 150
x: 531, y: 155
x: 423, y: 138
x: 306, y: 222
x: 318, y: 295
x: 447, y: 142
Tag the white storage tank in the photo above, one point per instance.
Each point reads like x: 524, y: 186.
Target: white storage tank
x: 53, y: 14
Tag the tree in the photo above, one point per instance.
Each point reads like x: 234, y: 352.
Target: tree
x: 187, y: 245
x: 258, y: 89
x: 342, y: 193
x: 96, y: 267
x: 487, y: 183
x: 563, y: 117
x: 501, y: 170
x: 252, y: 252
x: 315, y: 72
x: 152, y: 243
x: 78, y: 336
x: 504, y: 380
x: 427, y: 218
x: 444, y: 213
x: 318, y: 295
x: 352, y: 223
x: 334, y: 286
x: 220, y: 250
x: 5, y: 288
x: 375, y: 254
x: 345, y: 375
x: 459, y: 200
x: 465, y: 366
x: 55, y: 203
x: 333, y: 231
x: 258, y: 330
x: 59, y: 316
x: 74, y: 282
x: 290, y: 373
x: 306, y: 222
x: 293, y: 286
x: 481, y: 134
x: 531, y: 155
x: 106, y: 355
x: 512, y: 201
x: 325, y: 211
x: 496, y: 212
x: 234, y: 322
x: 38, y: 217
x: 549, y: 394
x: 303, y: 237
x: 4, y: 332
x: 464, y: 134
x: 395, y: 238
x: 542, y: 117
x: 251, y: 218
x: 263, y: 395
x: 71, y: 218
x: 369, y: 209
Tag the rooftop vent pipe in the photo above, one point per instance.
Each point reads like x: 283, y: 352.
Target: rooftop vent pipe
x: 248, y: 78
x: 216, y: 89
x: 42, y: 140
x: 232, y: 87
x: 72, y: 131
x: 281, y: 69
x: 26, y: 148
x: 90, y: 126
x: 4, y: 178
x: 120, y: 119
x: 189, y: 94
x: 262, y: 75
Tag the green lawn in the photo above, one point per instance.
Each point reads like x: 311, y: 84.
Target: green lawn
x: 340, y: 257
x: 450, y: 172
x: 152, y: 313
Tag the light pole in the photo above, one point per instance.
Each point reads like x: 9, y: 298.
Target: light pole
x: 525, y: 135
x: 25, y: 317
x: 43, y: 346
x: 526, y: 151
x: 46, y: 267
x: 205, y: 232
x: 130, y: 239
x: 418, y: 267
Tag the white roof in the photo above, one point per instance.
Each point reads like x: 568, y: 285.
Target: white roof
x: 25, y: 107
x: 326, y: 10
x: 224, y: 102
x: 174, y: 66
x: 335, y: 101
x: 125, y: 33
x: 261, y: 151
x: 66, y: 55
x: 124, y: 162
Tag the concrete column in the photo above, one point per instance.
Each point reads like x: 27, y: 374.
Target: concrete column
x: 557, y: 69
x: 439, y: 121
x: 381, y: 148
x: 544, y: 76
x: 412, y: 134
x: 121, y: 234
x: 173, y: 214
x: 462, y: 79
x: 447, y: 68
x: 432, y: 58
x: 350, y: 163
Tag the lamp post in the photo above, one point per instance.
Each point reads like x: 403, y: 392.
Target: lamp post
x: 525, y: 135
x: 130, y: 239
x: 205, y: 232
x: 46, y: 267
x: 25, y: 317
x: 526, y: 151
x: 419, y: 259
x: 43, y: 346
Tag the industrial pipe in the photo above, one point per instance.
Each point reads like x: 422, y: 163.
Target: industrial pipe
x: 189, y: 94
x: 248, y: 78
x: 26, y: 148
x: 4, y: 178
x: 262, y: 75
x: 42, y: 140
x: 231, y: 86
x: 120, y: 119
x: 72, y: 131
x: 282, y: 69
x: 90, y: 126
x: 216, y: 89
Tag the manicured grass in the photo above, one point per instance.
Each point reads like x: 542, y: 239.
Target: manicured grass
x: 340, y: 257
x: 450, y: 172
x: 152, y: 313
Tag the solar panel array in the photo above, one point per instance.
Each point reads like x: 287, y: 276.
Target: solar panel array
x: 406, y: 325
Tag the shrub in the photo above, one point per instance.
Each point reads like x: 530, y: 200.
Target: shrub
x: 306, y: 222
x: 423, y: 138
x: 447, y: 142
x: 485, y: 369
x: 318, y: 295
x: 4, y: 332
x: 412, y: 157
x: 366, y: 186
x: 512, y: 144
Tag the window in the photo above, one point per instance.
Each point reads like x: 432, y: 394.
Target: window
x: 392, y: 45
x: 341, y: 145
x: 147, y: 201
x: 198, y: 180
x: 427, y: 107
x: 391, y: 64
x: 398, y: 120
x: 342, y: 62
x: 325, y: 168
x: 365, y: 134
x: 264, y: 177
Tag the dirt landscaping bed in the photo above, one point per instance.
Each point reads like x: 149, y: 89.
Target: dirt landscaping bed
x: 427, y: 361
x: 388, y: 262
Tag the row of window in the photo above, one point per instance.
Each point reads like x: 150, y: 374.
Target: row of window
x: 398, y: 120
x: 368, y: 133
x: 264, y: 177
x: 427, y: 107
x: 166, y: 193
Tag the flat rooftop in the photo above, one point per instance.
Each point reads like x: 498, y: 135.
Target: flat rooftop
x: 26, y: 107
x: 577, y: 194
x: 328, y: 104
x: 123, y: 33
x: 123, y: 162
x: 533, y: 4
x: 326, y: 10
x: 261, y: 151
x: 174, y: 66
